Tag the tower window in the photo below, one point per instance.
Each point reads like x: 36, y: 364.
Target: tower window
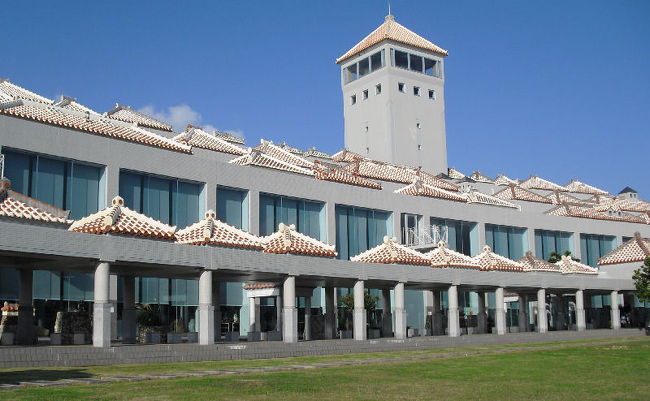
x: 400, y: 86
x: 365, y: 94
x: 418, y: 125
x: 353, y: 99
x: 432, y: 94
x: 377, y: 89
x: 419, y: 147
x: 366, y: 129
x: 416, y: 90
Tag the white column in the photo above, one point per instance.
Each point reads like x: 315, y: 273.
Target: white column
x: 400, y: 312
x: 25, y: 329
x: 216, y: 301
x: 581, y: 322
x: 290, y: 318
x: 481, y: 318
x: 616, y: 313
x: 359, y: 311
x: 500, y: 311
x: 102, y: 307
x: 258, y: 315
x: 206, y: 309
x: 252, y: 316
x: 307, y: 334
x: 278, y: 312
x: 542, y: 320
x: 428, y: 312
x: 523, y: 313
x: 128, y: 311
x: 453, y: 323
x: 436, y: 319
x: 330, y: 313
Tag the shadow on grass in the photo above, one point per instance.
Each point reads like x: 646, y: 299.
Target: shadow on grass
x: 28, y: 375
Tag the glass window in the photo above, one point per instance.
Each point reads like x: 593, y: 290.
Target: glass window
x: 400, y: 86
x: 365, y: 94
x: 358, y: 229
x: 350, y: 73
x: 547, y: 242
x: 594, y: 246
x: 364, y: 67
x: 376, y: 61
x: 432, y: 94
x: 416, y: 90
x: 507, y: 241
x: 353, y: 99
x: 307, y: 216
x: 401, y: 59
x: 377, y: 89
x: 232, y: 207
x: 416, y: 63
x: 430, y: 67
x: 462, y: 236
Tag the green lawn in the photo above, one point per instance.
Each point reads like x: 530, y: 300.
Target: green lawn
x: 614, y: 369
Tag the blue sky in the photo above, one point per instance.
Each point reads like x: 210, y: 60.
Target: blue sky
x: 560, y: 89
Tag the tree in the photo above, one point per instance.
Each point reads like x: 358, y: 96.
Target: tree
x: 641, y: 279
x: 369, y: 301
x: 555, y: 257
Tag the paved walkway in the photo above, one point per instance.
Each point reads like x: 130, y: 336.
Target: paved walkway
x: 51, y: 356
x: 349, y: 362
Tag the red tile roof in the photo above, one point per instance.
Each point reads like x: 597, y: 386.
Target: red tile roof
x: 313, y: 152
x: 18, y: 206
x: 519, y: 193
x: 390, y: 251
x: 72, y: 104
x: 9, y: 91
x: 261, y: 159
x: 391, y: 30
x: 535, y: 182
x: 195, y: 136
x: 489, y: 260
x: 445, y: 257
x: 419, y: 188
x: 455, y: 174
x: 336, y: 174
x: 215, y: 232
x: 534, y: 264
x: 285, y: 155
x: 119, y: 219
x: 479, y: 197
x: 502, y: 179
x: 128, y: 115
x: 590, y: 212
x: 227, y: 136
x: 634, y: 250
x: 394, y: 173
x: 558, y: 198
x: 259, y: 286
x: 288, y: 240
x: 345, y: 156
x: 580, y: 187
x: 480, y: 177
x: 90, y: 123
x: 570, y: 266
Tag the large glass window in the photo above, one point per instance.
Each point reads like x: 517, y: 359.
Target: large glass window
x: 547, y: 242
x: 169, y: 200
x: 462, y: 236
x: 594, y: 246
x: 363, y: 67
x: 66, y: 184
x: 416, y: 63
x: 358, y: 229
x: 307, y: 216
x: 232, y: 207
x: 511, y: 242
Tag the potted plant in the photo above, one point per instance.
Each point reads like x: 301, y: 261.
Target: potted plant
x: 149, y: 324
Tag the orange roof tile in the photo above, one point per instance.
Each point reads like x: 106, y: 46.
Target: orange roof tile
x: 13, y: 92
x: 519, y: 193
x: 534, y: 264
x: 215, y: 232
x: 195, y: 136
x: 590, y: 212
x: 558, y: 197
x: 474, y: 196
x: 119, y: 219
x: 283, y: 154
x: 480, y: 177
x: 570, y: 266
x: 390, y: 251
x: 502, y: 179
x: 455, y: 174
x: 489, y: 260
x: 288, y: 240
x: 633, y: 250
x: 445, y: 257
x: 391, y: 30
x: 336, y: 174
x: 419, y: 188
x: 259, y: 286
x: 18, y: 206
x: 261, y: 159
x: 534, y: 182
x: 394, y: 173
x: 582, y: 188
x: 128, y: 115
x: 72, y: 104
x: 345, y: 156
x: 313, y: 152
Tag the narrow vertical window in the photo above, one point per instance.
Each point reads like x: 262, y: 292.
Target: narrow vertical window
x: 377, y: 89
x: 400, y: 86
x: 416, y: 91
x: 432, y: 94
x: 365, y: 94
x: 353, y: 99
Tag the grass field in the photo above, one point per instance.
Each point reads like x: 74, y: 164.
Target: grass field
x: 608, y: 370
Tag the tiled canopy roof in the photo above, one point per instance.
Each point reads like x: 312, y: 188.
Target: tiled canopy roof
x: 261, y: 159
x: 336, y: 174
x: 489, y: 260
x: 502, y: 179
x: 532, y: 263
x: 455, y: 174
x: 480, y: 177
x: 119, y: 219
x: 72, y: 104
x: 634, y: 250
x: 519, y: 193
x: 259, y: 286
x: 590, y: 212
x: 195, y: 136
x: 535, y: 182
x: 570, y: 266
x: 18, y: 206
x: 215, y: 232
x: 227, y: 136
x: 128, y: 115
x: 289, y: 148
x: 86, y: 122
x: 479, y: 197
x: 390, y: 172
x: 345, y: 156
x: 580, y: 187
x: 283, y: 154
x: 419, y: 188
x: 616, y: 203
x: 390, y: 251
x: 313, y: 152
x: 9, y: 91
x: 558, y: 197
x: 391, y: 30
x: 445, y: 257
x: 288, y: 240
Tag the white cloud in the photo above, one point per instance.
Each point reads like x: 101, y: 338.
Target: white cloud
x: 181, y: 115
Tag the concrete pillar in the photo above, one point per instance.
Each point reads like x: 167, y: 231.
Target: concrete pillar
x: 216, y: 302
x: 128, y: 311
x: 453, y: 323
x: 290, y: 313
x: 542, y: 320
x: 25, y: 329
x: 330, y: 313
x: 278, y: 312
x: 113, y: 299
x: 102, y: 307
x: 500, y: 311
x: 428, y: 312
x: 581, y: 321
x: 481, y: 318
x: 522, y: 320
x: 206, y: 309
x: 616, y: 313
x: 400, y: 312
x: 359, y: 311
x: 252, y: 316
x: 253, y: 211
x: 436, y: 318
x: 307, y: 334
x: 258, y: 314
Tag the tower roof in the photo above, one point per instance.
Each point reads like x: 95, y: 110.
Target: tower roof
x: 391, y: 30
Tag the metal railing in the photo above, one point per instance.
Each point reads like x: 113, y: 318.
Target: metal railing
x: 425, y: 235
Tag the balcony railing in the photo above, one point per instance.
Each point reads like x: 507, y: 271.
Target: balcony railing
x: 425, y: 235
